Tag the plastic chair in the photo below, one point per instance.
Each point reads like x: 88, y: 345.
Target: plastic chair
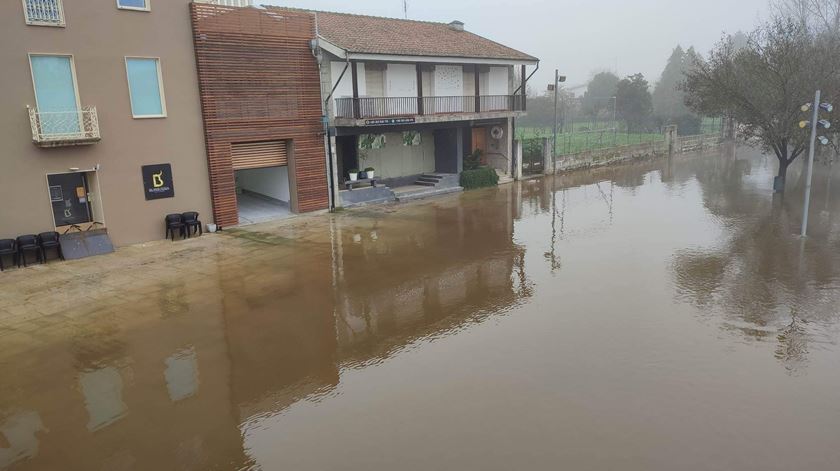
x: 173, y: 222
x: 192, y: 224
x: 28, y: 243
x: 8, y: 247
x: 49, y: 241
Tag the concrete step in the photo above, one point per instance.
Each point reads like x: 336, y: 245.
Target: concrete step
x: 416, y: 195
x: 425, y: 183
x: 504, y: 178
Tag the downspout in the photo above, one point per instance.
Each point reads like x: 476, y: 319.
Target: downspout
x: 527, y: 79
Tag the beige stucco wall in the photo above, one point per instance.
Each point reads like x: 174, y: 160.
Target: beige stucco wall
x: 397, y: 160
x: 99, y: 36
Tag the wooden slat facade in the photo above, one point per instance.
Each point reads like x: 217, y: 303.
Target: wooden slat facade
x: 252, y: 155
x: 259, y: 83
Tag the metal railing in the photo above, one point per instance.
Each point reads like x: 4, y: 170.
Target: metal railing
x: 381, y: 107
x: 43, y: 12
x: 64, y: 128
x: 228, y: 3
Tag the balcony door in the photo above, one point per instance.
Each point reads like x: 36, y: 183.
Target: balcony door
x: 55, y: 94
x: 401, y: 89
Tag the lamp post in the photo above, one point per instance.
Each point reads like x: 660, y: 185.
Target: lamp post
x: 815, y: 123
x: 558, y: 79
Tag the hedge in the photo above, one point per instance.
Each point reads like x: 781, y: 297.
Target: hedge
x: 479, y: 178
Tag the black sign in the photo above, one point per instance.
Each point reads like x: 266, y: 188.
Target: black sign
x: 157, y: 181
x: 386, y: 121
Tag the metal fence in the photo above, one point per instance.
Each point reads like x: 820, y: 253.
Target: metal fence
x: 589, y: 124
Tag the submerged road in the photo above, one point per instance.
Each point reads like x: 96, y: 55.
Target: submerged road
x: 657, y: 316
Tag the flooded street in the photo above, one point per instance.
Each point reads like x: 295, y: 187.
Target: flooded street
x: 657, y: 316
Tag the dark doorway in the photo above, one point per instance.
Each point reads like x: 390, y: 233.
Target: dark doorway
x: 348, y: 154
x: 446, y: 150
x: 69, y: 197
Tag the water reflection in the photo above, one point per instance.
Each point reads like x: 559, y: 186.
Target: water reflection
x: 761, y: 278
x: 549, y: 306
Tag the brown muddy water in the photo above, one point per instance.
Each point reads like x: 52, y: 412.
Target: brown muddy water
x: 659, y: 316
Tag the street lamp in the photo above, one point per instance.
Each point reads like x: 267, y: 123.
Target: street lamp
x: 815, y: 123
x: 558, y: 79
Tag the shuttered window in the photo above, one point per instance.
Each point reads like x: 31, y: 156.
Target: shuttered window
x: 258, y: 155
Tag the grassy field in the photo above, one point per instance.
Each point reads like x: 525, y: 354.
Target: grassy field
x: 583, y: 139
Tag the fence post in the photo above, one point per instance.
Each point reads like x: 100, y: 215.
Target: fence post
x: 548, y: 157
x: 517, y: 159
x: 670, y: 139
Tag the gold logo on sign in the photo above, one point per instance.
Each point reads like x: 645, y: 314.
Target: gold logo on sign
x: 157, y: 179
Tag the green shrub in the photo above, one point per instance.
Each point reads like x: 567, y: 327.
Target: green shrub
x: 479, y: 178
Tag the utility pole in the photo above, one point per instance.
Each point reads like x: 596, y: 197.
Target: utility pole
x: 557, y: 80
x: 815, y: 124
x: 405, y: 8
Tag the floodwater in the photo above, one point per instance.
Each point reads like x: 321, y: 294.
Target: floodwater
x: 658, y: 316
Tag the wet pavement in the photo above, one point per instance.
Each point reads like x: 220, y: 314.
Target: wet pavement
x: 658, y: 316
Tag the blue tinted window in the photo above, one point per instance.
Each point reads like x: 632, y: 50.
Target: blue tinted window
x: 144, y: 85
x: 132, y: 3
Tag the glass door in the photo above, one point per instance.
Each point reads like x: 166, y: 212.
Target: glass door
x: 69, y: 197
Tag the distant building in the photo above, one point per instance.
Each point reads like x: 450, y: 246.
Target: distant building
x: 101, y: 123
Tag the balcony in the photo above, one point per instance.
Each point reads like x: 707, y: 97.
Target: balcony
x: 43, y: 12
x: 440, y: 106
x: 64, y: 128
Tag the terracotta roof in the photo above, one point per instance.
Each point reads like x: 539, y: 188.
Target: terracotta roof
x: 376, y: 35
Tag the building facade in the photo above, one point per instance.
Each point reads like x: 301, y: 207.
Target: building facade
x: 412, y: 99
x: 101, y: 120
x: 261, y: 102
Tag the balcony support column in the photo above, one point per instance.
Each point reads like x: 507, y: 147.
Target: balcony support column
x: 524, y: 84
x: 420, y: 110
x: 477, y: 69
x: 355, y: 77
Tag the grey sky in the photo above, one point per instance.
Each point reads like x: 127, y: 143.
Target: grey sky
x: 578, y: 37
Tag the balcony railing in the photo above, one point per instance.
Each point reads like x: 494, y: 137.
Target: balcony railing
x: 228, y: 3
x: 43, y: 12
x: 64, y: 128
x: 383, y: 107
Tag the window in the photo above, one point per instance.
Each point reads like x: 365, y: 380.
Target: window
x: 142, y: 5
x: 43, y: 12
x: 145, y: 86
x: 56, y: 96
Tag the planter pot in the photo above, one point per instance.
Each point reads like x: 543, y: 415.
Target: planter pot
x: 370, y: 173
x: 354, y: 177
x: 211, y: 228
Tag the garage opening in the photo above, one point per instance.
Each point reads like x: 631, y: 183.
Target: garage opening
x: 263, y: 186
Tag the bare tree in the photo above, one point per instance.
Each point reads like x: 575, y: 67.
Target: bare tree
x: 763, y: 85
x: 816, y: 15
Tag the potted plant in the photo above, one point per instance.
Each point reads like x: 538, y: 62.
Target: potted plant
x: 354, y: 174
x: 370, y: 171
x: 363, y: 155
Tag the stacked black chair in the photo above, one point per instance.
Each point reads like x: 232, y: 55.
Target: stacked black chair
x: 8, y: 247
x: 28, y: 243
x: 49, y: 241
x: 175, y: 222
x: 192, y: 224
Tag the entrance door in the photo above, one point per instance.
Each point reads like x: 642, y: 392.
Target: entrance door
x: 479, y: 139
x: 55, y: 94
x: 69, y: 196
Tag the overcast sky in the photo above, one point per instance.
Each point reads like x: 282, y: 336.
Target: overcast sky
x: 579, y: 37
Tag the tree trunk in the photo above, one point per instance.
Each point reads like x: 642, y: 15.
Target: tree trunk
x: 779, y: 182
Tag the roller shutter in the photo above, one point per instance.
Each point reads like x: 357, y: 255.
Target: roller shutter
x: 258, y: 155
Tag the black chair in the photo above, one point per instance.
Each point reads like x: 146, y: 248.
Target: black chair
x: 8, y: 247
x: 28, y: 243
x: 49, y: 241
x: 173, y: 222
x: 192, y: 224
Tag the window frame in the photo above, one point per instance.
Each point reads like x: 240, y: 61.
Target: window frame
x: 160, y: 88
x: 148, y: 6
x: 62, y: 23
x: 72, y: 74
